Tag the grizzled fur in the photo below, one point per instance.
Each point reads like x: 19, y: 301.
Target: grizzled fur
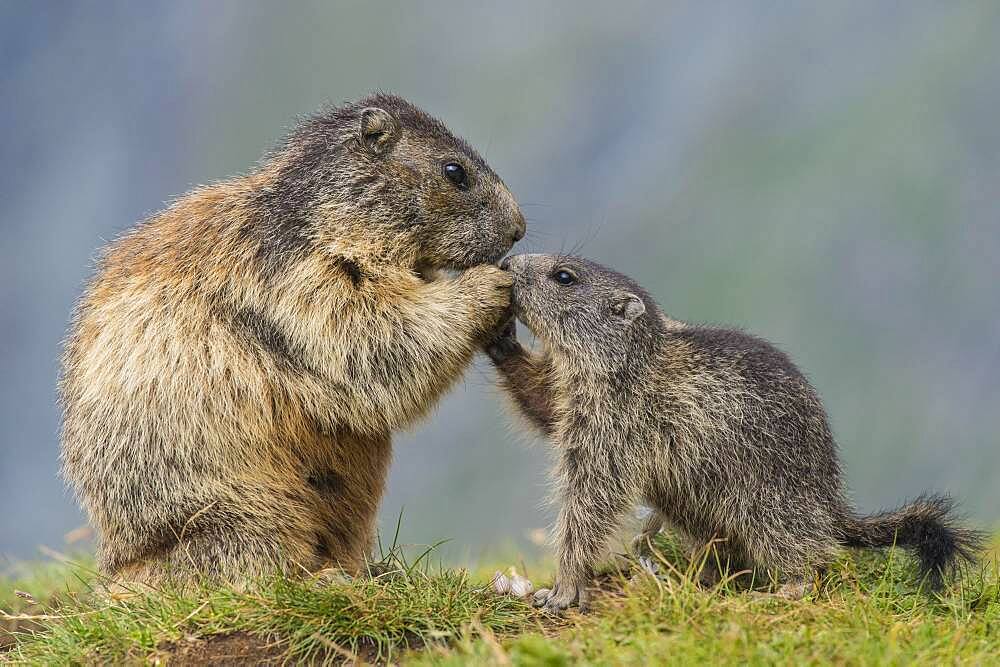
x: 714, y: 429
x: 236, y: 368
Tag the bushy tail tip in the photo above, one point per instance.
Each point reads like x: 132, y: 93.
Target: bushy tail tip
x: 927, y: 526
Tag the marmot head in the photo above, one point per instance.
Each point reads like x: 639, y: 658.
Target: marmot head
x: 416, y: 189
x: 578, y: 306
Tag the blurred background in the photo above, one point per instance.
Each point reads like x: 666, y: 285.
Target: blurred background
x: 826, y: 175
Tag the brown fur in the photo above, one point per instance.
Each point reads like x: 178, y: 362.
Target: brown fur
x: 237, y: 366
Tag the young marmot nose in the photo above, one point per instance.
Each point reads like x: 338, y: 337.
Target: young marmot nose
x: 514, y: 262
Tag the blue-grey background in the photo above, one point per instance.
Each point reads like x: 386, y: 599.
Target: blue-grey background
x: 824, y: 174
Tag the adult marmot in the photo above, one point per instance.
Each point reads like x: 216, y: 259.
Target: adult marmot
x: 237, y: 366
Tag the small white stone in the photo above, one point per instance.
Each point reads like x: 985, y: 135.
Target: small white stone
x: 520, y: 586
x: 501, y: 583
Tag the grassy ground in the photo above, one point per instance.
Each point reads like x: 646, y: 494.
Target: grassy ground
x: 867, y: 610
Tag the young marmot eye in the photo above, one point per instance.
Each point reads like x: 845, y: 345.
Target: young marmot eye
x: 455, y: 173
x: 563, y: 277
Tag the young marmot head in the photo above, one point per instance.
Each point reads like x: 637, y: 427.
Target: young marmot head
x: 575, y: 305
x: 415, y: 189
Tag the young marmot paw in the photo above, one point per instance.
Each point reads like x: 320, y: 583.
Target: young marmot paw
x: 561, y: 597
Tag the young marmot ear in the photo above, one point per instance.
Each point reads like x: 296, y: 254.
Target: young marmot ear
x: 628, y: 307
x: 378, y: 130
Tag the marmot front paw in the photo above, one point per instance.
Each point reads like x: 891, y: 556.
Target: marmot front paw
x: 491, y: 292
x: 504, y: 343
x: 561, y: 597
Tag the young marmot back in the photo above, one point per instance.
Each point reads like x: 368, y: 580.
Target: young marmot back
x: 238, y: 364
x: 715, y: 430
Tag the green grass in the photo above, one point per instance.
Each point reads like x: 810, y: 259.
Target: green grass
x: 867, y: 610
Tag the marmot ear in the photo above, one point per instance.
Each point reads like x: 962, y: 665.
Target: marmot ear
x: 377, y: 130
x: 628, y: 307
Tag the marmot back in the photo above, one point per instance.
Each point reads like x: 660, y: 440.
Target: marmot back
x: 236, y: 368
x: 714, y: 429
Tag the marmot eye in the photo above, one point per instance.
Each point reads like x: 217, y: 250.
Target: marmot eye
x: 455, y: 173
x: 564, y: 277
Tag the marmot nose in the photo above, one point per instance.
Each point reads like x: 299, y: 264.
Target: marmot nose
x: 519, y: 227
x: 505, y: 263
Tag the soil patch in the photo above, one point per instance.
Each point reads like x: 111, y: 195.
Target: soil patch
x: 237, y: 648
x: 9, y: 628
x: 241, y: 648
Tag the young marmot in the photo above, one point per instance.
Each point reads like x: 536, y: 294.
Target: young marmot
x: 236, y: 367
x: 714, y: 429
